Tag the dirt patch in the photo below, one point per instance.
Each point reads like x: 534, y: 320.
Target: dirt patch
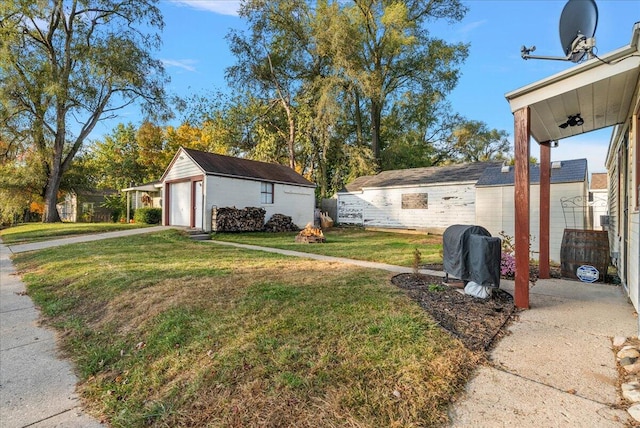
x: 477, y: 323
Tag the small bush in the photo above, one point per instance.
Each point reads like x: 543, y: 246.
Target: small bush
x: 508, y: 265
x: 148, y: 215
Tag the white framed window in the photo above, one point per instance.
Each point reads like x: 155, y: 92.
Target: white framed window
x: 266, y: 193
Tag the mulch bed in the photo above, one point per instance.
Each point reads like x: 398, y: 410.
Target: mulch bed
x: 477, y: 323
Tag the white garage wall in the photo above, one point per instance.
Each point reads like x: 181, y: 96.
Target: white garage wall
x: 183, y: 167
x: 298, y: 202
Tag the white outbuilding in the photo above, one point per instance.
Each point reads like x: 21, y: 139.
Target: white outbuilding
x: 428, y: 199
x: 195, y: 182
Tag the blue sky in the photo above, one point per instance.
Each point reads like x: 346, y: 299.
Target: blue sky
x: 195, y: 53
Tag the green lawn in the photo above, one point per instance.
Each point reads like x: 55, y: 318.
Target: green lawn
x: 33, y: 232
x: 166, y: 331
x: 355, y: 243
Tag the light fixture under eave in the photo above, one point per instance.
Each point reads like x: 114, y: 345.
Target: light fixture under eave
x: 574, y: 120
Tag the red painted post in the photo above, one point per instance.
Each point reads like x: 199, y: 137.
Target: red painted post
x: 522, y: 205
x: 545, y: 204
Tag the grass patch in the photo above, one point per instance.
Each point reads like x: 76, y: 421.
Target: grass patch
x: 165, y: 331
x: 34, y: 232
x: 355, y: 243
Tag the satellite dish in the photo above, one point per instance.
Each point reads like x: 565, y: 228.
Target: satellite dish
x: 578, y: 23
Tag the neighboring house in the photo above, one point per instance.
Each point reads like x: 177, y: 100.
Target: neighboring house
x: 569, y: 202
x: 598, y: 93
x: 143, y: 195
x: 195, y: 182
x: 599, y: 199
x: 429, y: 199
x: 85, y: 207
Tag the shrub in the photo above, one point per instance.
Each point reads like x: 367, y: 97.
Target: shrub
x: 507, y: 265
x: 148, y: 215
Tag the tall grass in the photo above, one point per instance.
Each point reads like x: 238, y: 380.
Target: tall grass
x: 165, y: 331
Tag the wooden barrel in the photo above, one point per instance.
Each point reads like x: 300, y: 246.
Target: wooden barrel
x: 584, y: 247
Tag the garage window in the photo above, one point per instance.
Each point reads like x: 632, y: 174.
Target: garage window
x: 266, y: 193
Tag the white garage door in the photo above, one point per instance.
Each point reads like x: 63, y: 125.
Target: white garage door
x: 180, y: 197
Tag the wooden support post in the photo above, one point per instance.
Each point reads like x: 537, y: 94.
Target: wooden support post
x: 545, y: 203
x: 522, y: 134
x: 128, y: 206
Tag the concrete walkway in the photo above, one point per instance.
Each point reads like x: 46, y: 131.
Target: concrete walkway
x: 555, y: 369
x: 37, y: 388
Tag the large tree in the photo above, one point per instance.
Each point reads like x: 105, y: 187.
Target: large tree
x: 67, y: 64
x: 473, y: 141
x: 383, y: 48
x: 273, y: 60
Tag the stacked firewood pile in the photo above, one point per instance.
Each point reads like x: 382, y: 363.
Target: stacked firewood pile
x: 310, y: 235
x: 280, y: 223
x: 227, y: 219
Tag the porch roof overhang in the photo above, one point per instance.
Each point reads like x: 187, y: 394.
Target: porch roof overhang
x: 600, y: 90
x: 149, y: 187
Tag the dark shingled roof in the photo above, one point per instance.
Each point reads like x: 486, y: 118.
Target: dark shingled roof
x: 417, y: 176
x: 229, y: 166
x: 570, y: 171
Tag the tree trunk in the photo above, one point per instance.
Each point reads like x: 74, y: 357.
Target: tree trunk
x: 53, y: 182
x: 376, y: 112
x: 51, y: 196
x: 358, y: 118
x: 292, y: 139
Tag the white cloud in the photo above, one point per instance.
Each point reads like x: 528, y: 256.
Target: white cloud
x: 472, y: 26
x: 185, y: 64
x: 223, y: 7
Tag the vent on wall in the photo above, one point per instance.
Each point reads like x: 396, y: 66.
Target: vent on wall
x: 556, y: 165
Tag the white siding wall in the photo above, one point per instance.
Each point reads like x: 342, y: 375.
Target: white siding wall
x: 183, y: 167
x: 350, y: 208
x: 495, y: 212
x: 614, y: 246
x: 382, y: 207
x: 600, y: 207
x: 295, y: 201
x: 634, y: 259
x: 494, y: 209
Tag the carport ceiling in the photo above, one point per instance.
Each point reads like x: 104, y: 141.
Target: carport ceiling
x: 600, y: 90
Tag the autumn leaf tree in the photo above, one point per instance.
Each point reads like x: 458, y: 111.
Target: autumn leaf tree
x: 67, y: 64
x: 473, y: 141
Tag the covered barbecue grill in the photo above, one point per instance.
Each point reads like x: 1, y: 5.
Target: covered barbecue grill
x: 471, y: 254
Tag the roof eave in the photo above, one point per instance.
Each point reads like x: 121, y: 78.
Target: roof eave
x: 616, y: 55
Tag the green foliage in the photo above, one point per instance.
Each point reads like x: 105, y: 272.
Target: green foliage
x: 148, y: 215
x: 117, y: 204
x: 473, y: 141
x: 63, y: 65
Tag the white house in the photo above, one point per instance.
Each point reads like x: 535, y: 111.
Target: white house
x: 569, y: 202
x: 598, y: 93
x: 599, y: 198
x: 195, y: 182
x: 429, y: 199
x: 143, y: 195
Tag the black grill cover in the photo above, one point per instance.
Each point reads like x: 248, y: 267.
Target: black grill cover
x: 471, y: 254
